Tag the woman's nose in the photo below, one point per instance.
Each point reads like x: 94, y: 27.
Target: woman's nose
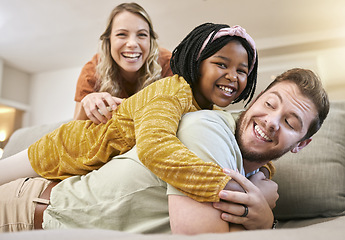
x: 132, y: 42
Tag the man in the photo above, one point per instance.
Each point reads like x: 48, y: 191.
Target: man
x: 124, y: 195
x: 282, y: 119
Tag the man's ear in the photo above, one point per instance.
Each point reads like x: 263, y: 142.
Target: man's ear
x: 301, y: 145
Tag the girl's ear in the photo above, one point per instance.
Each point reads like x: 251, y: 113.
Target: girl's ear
x: 301, y: 145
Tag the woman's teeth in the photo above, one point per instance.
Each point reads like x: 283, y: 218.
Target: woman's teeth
x: 131, y: 55
x: 261, y: 133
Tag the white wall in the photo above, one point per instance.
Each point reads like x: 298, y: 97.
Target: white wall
x: 14, y: 87
x: 52, y: 96
x: 328, y: 64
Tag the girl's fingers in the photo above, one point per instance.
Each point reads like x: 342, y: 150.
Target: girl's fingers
x: 246, y: 184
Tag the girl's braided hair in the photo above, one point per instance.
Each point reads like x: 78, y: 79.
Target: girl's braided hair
x: 186, y: 61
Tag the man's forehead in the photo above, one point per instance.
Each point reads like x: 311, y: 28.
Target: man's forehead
x: 285, y: 90
x: 296, y: 103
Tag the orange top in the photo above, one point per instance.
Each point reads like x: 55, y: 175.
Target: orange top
x: 87, y: 78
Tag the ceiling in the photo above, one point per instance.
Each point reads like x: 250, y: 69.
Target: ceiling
x: 47, y: 35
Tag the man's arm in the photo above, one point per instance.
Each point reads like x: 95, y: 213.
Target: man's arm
x: 188, y: 216
x: 259, y: 215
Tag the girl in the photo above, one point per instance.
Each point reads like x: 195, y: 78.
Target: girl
x: 214, y: 65
x: 128, y: 60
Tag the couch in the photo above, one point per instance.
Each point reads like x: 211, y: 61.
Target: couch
x: 311, y: 188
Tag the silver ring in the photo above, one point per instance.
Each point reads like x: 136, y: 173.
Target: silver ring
x: 245, y: 211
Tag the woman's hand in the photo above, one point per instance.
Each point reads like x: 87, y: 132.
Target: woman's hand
x: 97, y: 107
x: 259, y: 215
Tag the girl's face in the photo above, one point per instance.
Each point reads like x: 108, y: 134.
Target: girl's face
x: 129, y: 41
x: 223, y: 76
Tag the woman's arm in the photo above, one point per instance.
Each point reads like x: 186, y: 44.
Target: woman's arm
x: 97, y: 107
x: 79, y: 113
x: 89, y: 104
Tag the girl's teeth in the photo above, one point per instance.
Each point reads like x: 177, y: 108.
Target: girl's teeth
x: 263, y: 135
x: 226, y: 89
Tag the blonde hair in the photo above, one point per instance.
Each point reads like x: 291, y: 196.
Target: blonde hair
x: 107, y: 70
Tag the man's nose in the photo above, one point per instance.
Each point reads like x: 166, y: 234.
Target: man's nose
x: 272, y: 122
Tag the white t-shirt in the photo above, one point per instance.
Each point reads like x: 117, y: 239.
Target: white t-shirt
x: 124, y: 195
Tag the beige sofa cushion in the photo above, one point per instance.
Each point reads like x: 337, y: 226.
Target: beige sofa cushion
x: 24, y: 137
x: 312, y: 182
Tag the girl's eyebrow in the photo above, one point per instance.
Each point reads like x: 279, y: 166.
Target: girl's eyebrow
x: 228, y: 59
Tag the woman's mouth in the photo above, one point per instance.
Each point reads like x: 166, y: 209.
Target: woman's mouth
x: 131, y: 56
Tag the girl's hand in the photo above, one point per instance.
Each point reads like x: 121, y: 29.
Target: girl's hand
x: 99, y: 105
x: 259, y: 215
x: 268, y: 188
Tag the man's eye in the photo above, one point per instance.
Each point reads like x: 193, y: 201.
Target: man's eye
x: 288, y: 123
x: 269, y: 105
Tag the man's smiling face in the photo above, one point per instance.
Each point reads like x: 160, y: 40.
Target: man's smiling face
x: 275, y: 123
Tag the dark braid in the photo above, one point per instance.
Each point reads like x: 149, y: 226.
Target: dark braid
x: 185, y: 60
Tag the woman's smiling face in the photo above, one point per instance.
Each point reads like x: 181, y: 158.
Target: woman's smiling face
x: 223, y: 76
x: 130, y: 41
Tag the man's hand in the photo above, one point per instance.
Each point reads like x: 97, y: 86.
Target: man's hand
x: 259, y: 215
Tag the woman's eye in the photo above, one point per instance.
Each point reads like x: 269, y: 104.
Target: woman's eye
x: 142, y: 35
x: 120, y: 34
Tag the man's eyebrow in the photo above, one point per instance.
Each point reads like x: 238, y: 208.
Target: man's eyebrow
x: 293, y: 113
x: 278, y: 95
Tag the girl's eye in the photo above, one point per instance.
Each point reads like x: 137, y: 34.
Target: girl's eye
x: 241, y: 71
x: 221, y: 65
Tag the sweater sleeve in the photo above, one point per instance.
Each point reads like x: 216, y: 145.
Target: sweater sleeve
x: 87, y: 79
x: 163, y: 153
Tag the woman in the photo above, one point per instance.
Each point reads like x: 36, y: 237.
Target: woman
x: 129, y: 59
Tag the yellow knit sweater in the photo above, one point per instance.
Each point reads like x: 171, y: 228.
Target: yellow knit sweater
x: 149, y: 119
